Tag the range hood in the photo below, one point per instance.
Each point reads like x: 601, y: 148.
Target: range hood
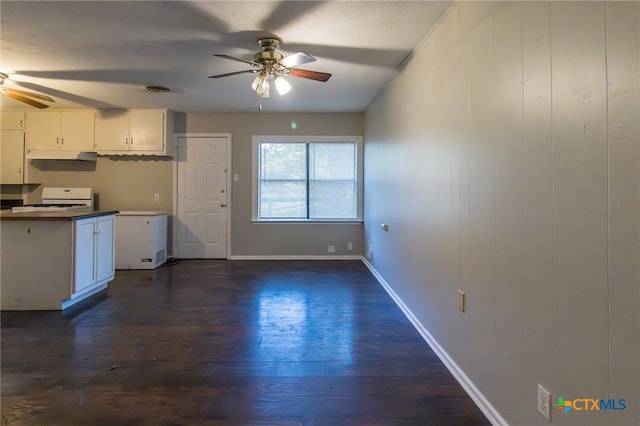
x: 61, y: 154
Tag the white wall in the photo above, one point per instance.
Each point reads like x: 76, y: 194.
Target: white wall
x: 505, y: 159
x: 279, y: 239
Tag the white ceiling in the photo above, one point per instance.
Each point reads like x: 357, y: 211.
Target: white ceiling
x: 102, y: 54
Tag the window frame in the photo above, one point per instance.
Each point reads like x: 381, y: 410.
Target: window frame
x: 257, y: 139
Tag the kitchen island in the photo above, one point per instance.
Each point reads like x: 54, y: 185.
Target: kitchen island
x: 51, y: 260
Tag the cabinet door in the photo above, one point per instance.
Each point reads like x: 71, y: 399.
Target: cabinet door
x: 11, y: 158
x: 112, y: 131
x: 12, y: 120
x: 147, y: 130
x: 105, y: 254
x: 43, y: 131
x: 84, y: 254
x: 77, y: 130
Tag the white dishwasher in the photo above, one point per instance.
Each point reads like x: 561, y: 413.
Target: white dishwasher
x: 141, y: 239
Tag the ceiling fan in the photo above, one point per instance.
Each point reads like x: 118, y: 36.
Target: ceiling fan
x: 270, y: 64
x: 22, y: 95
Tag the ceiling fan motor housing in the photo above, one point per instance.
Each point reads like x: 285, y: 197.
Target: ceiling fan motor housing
x: 267, y: 56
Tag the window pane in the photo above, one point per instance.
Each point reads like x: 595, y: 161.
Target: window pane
x: 283, y: 200
x: 332, y: 161
x: 332, y: 181
x: 283, y: 176
x: 283, y: 160
x: 332, y: 200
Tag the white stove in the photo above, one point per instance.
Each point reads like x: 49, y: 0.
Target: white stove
x: 60, y: 199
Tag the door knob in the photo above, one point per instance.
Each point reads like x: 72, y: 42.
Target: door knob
x: 223, y: 204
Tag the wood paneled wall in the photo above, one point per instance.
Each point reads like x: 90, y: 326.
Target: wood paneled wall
x: 505, y: 158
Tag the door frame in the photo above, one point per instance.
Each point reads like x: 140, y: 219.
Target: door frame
x: 228, y: 215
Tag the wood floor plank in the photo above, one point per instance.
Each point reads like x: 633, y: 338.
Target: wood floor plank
x: 228, y: 343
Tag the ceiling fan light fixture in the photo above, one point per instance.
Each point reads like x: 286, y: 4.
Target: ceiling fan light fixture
x: 270, y: 64
x: 261, y: 85
x: 257, y: 82
x: 282, y: 86
x: 265, y: 90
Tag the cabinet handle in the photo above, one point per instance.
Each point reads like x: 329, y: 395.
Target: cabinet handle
x: 19, y: 170
x: 131, y: 141
x: 62, y: 141
x: 126, y: 141
x: 21, y: 124
x: 57, y: 141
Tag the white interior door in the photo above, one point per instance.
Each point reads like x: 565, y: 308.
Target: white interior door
x: 202, y: 197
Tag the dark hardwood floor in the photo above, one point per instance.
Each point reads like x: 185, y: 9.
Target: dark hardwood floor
x: 228, y: 343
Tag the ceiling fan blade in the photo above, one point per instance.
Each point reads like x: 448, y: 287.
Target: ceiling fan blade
x: 311, y: 75
x: 255, y: 64
x: 232, y: 73
x: 30, y: 94
x: 25, y: 99
x: 296, y: 59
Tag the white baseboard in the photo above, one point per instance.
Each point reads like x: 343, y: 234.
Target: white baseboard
x: 298, y: 257
x: 480, y: 400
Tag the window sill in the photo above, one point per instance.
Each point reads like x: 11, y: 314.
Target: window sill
x: 306, y: 221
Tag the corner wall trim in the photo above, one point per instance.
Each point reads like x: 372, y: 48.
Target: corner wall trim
x: 478, y: 398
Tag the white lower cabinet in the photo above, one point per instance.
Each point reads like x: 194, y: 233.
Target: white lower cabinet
x: 53, y: 263
x: 94, y: 252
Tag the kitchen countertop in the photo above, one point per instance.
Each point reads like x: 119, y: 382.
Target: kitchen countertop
x: 57, y: 215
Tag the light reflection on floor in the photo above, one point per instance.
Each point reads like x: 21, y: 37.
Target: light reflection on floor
x: 305, y: 325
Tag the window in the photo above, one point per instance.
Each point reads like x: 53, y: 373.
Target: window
x: 307, y: 178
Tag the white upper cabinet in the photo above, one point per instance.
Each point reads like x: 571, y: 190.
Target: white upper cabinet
x: 147, y: 130
x: 112, y: 130
x: 68, y: 130
x: 138, y: 132
x: 12, y: 120
x: 11, y: 158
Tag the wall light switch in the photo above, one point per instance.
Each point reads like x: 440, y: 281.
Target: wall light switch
x: 236, y: 177
x: 461, y: 301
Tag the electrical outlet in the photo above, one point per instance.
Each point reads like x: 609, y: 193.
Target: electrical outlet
x: 544, y: 402
x: 156, y: 197
x: 349, y: 246
x: 331, y: 249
